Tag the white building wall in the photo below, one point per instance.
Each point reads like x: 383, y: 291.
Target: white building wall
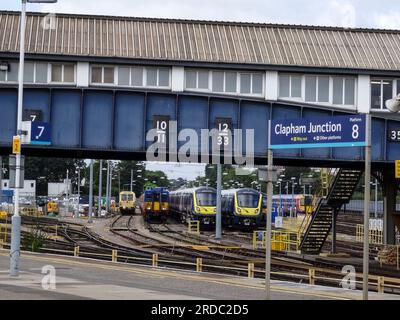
x: 271, y: 85
x: 363, y: 97
x: 177, y: 79
x: 82, y: 74
x: 29, y: 187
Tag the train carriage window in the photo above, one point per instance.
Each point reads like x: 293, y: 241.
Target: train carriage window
x: 248, y: 200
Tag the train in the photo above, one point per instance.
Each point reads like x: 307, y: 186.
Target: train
x: 154, y: 204
x: 299, y: 202
x: 241, y: 208
x: 197, y: 204
x: 127, y: 202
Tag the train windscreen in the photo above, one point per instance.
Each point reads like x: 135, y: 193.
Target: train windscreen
x: 206, y: 199
x: 127, y: 197
x: 248, y: 200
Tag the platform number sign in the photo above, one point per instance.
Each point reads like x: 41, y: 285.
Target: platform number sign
x: 40, y: 133
x: 224, y: 127
x: 393, y: 134
x: 32, y: 115
x: 161, y: 124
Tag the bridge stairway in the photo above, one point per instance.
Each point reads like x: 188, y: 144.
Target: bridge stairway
x: 340, y: 193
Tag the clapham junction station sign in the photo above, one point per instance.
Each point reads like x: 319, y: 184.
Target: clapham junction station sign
x: 317, y: 132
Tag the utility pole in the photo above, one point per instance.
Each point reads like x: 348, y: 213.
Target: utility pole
x: 100, y: 187
x: 1, y: 179
x: 91, y: 192
x: 79, y: 189
x: 367, y: 195
x: 108, y: 187
x: 218, y: 220
x: 67, y: 195
x: 16, y: 219
x: 131, y: 180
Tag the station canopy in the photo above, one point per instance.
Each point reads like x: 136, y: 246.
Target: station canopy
x: 203, y: 41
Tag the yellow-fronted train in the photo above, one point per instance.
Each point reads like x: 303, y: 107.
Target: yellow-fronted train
x: 196, y: 204
x: 241, y: 208
x: 155, y: 204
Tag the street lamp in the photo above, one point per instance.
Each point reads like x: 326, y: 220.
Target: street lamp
x: 291, y: 207
x: 16, y: 219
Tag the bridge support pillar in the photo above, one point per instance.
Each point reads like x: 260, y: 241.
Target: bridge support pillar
x: 390, y: 217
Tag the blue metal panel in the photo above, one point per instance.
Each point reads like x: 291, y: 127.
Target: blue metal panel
x: 65, y: 118
x: 224, y: 108
x: 254, y: 115
x: 159, y: 105
x: 378, y: 139
x: 192, y: 114
x: 129, y: 115
x: 347, y: 153
x: 35, y: 99
x: 8, y: 115
x: 97, y: 120
x: 281, y: 111
x: 316, y: 152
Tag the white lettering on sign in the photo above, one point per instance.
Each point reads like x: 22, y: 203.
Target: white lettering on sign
x: 312, y: 128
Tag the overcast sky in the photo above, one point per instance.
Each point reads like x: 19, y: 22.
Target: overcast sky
x: 346, y: 13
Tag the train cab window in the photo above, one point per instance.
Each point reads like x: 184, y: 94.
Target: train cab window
x: 248, y: 200
x: 206, y: 199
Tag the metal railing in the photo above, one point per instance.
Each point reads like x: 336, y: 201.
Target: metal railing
x: 311, y: 274
x: 194, y: 226
x: 281, y: 240
x: 375, y: 235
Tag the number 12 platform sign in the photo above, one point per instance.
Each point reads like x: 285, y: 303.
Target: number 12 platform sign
x: 318, y: 132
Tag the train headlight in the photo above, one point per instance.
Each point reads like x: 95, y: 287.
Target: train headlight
x: 215, y: 210
x: 197, y: 209
x: 148, y: 208
x: 256, y: 211
x: 239, y: 210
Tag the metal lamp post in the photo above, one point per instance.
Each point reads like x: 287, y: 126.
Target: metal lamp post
x: 16, y: 219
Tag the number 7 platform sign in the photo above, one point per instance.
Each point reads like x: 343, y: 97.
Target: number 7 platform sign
x: 41, y: 133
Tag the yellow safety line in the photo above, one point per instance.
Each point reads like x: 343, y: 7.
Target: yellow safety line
x: 176, y: 275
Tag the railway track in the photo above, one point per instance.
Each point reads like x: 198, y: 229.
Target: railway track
x: 144, y: 246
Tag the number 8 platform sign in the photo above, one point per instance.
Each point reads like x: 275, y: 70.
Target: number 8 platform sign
x: 317, y: 132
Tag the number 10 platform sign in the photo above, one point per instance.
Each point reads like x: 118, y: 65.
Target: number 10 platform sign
x: 318, y: 132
